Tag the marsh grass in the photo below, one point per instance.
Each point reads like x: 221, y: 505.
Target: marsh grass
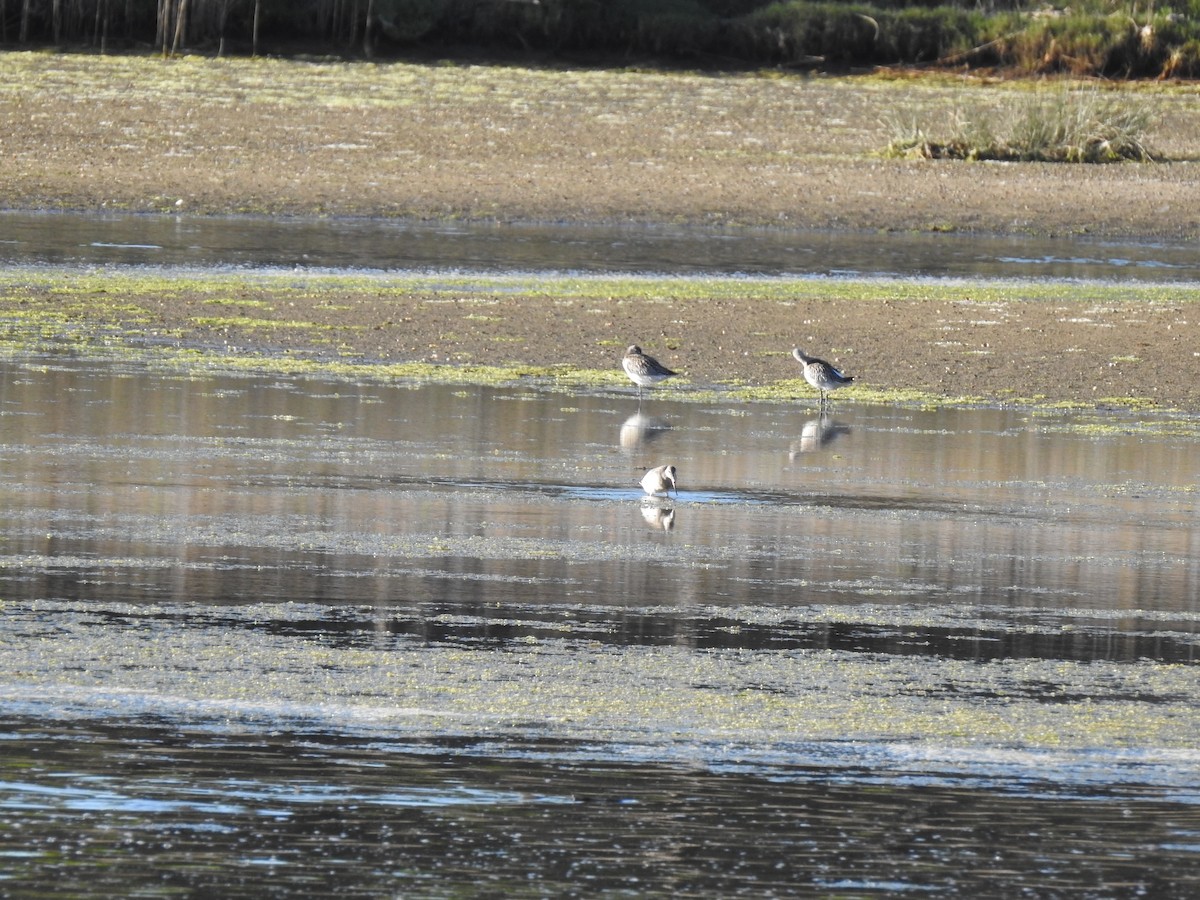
x: 1086, y: 126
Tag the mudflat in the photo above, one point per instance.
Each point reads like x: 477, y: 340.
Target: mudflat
x: 203, y: 136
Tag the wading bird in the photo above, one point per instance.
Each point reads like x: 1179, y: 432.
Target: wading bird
x: 660, y: 480
x: 820, y: 374
x: 643, y: 370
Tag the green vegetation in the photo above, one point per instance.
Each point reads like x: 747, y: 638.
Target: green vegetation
x: 302, y: 330
x: 1093, y: 37
x: 1067, y: 126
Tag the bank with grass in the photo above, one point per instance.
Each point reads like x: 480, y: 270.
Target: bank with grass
x: 195, y: 135
x: 1093, y: 37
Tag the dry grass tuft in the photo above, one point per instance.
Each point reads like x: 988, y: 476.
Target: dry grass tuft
x: 1086, y: 126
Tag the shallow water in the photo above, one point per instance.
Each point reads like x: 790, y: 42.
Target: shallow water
x: 347, y: 244
x: 314, y: 814
x: 282, y: 636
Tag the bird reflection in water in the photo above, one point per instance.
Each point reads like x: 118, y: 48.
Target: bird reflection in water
x: 818, y: 434
x: 659, y: 517
x: 639, y: 430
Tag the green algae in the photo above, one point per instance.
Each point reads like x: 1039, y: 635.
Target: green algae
x: 112, y: 313
x: 249, y: 322
x: 233, y: 301
x: 562, y: 687
x: 96, y: 285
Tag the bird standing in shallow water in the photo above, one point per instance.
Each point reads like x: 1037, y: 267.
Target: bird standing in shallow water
x: 643, y: 370
x: 660, y: 480
x: 820, y: 374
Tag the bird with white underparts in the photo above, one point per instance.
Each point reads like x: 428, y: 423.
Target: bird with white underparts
x: 660, y: 480
x: 643, y: 370
x: 825, y: 377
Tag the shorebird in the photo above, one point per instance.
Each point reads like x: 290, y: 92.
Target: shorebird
x: 820, y: 374
x: 660, y: 480
x: 643, y: 370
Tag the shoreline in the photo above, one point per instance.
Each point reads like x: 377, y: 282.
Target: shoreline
x: 1062, y: 232
x: 401, y: 142
x: 510, y: 144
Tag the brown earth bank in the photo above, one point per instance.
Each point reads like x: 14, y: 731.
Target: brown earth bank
x: 270, y: 137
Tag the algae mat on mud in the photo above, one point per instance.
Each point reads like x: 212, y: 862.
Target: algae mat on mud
x: 1090, y: 345
x: 727, y: 704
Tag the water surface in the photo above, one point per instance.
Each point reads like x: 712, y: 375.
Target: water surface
x: 275, y: 635
x: 347, y: 244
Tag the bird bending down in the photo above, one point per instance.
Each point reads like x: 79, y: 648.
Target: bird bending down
x: 820, y: 374
x: 660, y: 480
x: 643, y: 370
